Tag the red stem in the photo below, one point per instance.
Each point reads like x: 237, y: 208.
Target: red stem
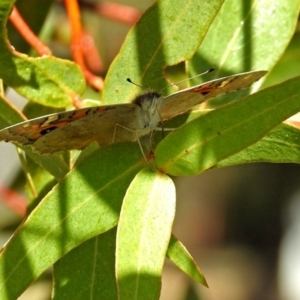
x: 28, y: 34
x: 77, y: 43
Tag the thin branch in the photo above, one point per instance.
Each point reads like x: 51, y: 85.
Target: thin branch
x: 28, y: 34
x: 121, y: 13
x: 78, y: 43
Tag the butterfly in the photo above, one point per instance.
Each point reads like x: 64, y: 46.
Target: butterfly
x: 108, y: 124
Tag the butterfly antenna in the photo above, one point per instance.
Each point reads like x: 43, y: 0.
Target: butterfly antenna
x: 129, y: 80
x: 175, y: 83
x: 198, y: 75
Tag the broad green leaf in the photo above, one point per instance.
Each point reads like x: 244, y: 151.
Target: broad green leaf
x: 38, y: 184
x: 8, y: 114
x: 84, y: 204
x: 201, y: 143
x: 289, y: 64
x: 281, y: 145
x: 178, y: 254
x: 88, y: 271
x: 46, y: 80
x: 143, y: 235
x: 166, y: 34
x: 34, y: 110
x: 54, y: 164
x: 247, y: 35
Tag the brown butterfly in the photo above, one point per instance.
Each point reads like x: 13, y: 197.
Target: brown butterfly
x: 108, y: 124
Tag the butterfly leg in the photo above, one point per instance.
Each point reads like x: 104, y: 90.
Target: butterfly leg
x: 162, y: 130
x: 137, y: 139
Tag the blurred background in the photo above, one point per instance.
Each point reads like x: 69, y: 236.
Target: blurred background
x: 241, y: 223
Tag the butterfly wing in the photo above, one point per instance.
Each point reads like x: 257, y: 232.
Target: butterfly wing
x: 73, y: 129
x: 77, y: 129
x: 184, y: 100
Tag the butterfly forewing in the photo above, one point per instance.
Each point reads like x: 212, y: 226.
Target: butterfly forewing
x: 186, y: 99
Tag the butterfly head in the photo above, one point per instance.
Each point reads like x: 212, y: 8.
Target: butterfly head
x: 148, y: 104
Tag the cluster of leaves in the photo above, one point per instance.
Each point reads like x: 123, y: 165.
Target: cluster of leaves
x: 82, y: 202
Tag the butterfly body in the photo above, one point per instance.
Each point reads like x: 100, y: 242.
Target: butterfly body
x: 117, y: 123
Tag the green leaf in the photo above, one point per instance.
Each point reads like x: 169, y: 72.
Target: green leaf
x: 143, y: 235
x: 165, y: 35
x: 178, y: 254
x: 281, y: 145
x: 46, y: 80
x: 84, y: 204
x: 34, y: 110
x: 88, y: 271
x: 289, y: 64
x: 38, y: 185
x: 87, y: 201
x: 247, y: 35
x: 8, y: 114
x: 201, y: 143
x: 54, y: 164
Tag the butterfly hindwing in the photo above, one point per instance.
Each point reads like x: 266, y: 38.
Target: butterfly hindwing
x: 70, y: 130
